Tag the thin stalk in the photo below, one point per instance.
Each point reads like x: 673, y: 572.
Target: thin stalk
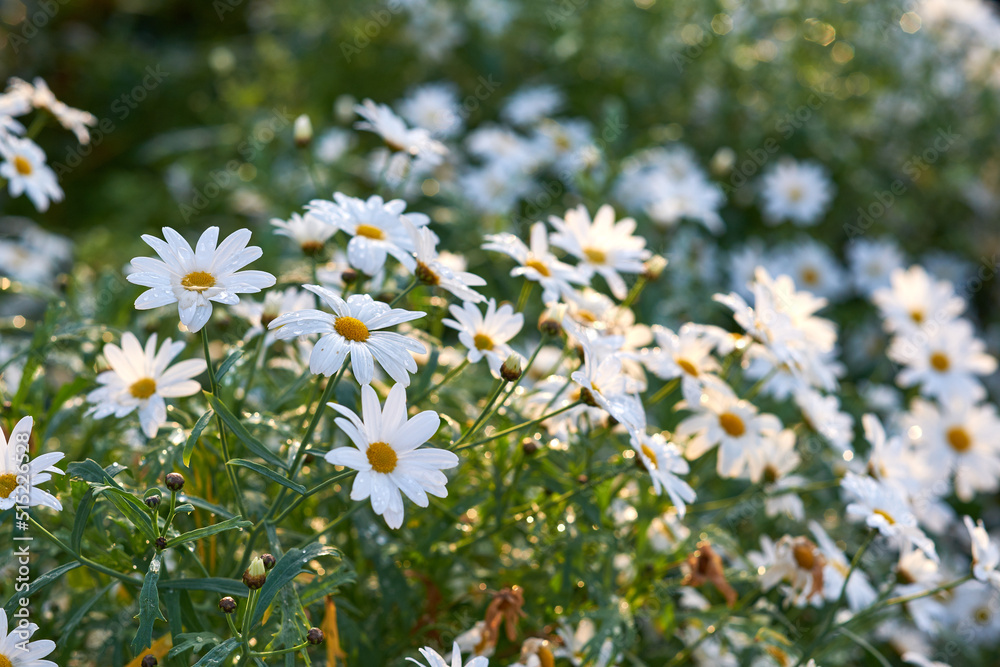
x: 522, y: 299
x: 518, y: 427
x: 401, y: 295
x: 447, y: 378
x: 230, y: 470
x: 97, y: 567
x: 483, y: 416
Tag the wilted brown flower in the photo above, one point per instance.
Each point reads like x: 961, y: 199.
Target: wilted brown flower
x: 706, y: 565
x: 506, y: 607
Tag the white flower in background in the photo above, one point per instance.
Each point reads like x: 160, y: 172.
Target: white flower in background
x: 798, y: 562
x: 41, y: 97
x: 140, y: 379
x: 15, y: 648
x: 822, y: 413
x: 13, y: 451
x: 386, y: 454
x: 664, y: 462
x: 944, y: 362
x: 776, y: 459
x: 605, y: 384
x: 666, y: 532
x: 796, y: 191
x: 919, y: 574
x: 916, y: 301
x: 26, y: 172
x: 722, y: 419
x: 686, y: 354
x: 537, y: 263
x: 486, y: 335
x: 309, y: 231
x: 575, y: 646
x: 567, y: 144
x: 261, y: 313
x: 985, y: 553
x: 693, y: 199
x: 433, y: 107
x: 529, y: 105
x: 883, y: 508
x: 860, y: 593
x: 193, y: 279
x: 602, y: 246
x: 434, y: 659
x: 353, y: 329
x: 378, y: 228
x: 442, y: 270
x: 813, y: 268
x: 872, y: 263
x: 504, y: 148
x: 493, y: 188
x: 333, y: 145
x: 960, y: 439
x: 417, y: 142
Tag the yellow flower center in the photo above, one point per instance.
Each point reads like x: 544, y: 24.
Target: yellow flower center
x: 545, y: 657
x: 917, y: 316
x: 794, y: 193
x: 5, y: 661
x: 369, y: 232
x: 382, y: 457
x: 538, y: 266
x: 595, y: 255
x: 959, y: 439
x: 650, y: 454
x: 804, y: 555
x: 312, y: 247
x: 810, y: 276
x: 351, y: 328
x: 426, y: 274
x: 687, y: 367
x: 732, y: 424
x: 198, y: 281
x: 8, y: 482
x: 23, y: 167
x: 885, y: 515
x: 143, y: 388
x: 482, y: 341
x: 940, y: 362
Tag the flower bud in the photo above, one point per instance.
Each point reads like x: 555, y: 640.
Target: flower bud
x: 256, y: 574
x: 314, y: 636
x: 152, y: 502
x: 529, y: 446
x: 653, y: 267
x: 511, y: 369
x: 269, y: 561
x: 175, y: 481
x: 348, y: 276
x: 161, y: 543
x: 550, y: 327
x: 303, y: 131
x: 227, y: 605
x: 149, y: 661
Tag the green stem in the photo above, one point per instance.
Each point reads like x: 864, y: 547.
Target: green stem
x: 232, y: 626
x: 401, y: 295
x: 447, y: 378
x: 282, y: 651
x: 97, y: 567
x: 634, y: 292
x: 518, y: 427
x: 522, y: 300
x: 483, y: 416
x: 230, y: 470
x: 664, y: 391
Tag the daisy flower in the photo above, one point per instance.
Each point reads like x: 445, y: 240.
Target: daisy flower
x: 813, y: 268
x: 796, y: 191
x: 308, y: 230
x: 686, y: 354
x: 434, y: 659
x: 259, y: 314
x: 606, y: 385
x: 386, y: 454
x: 140, y: 379
x: 353, y: 329
x: 860, y: 593
x: 417, y: 142
x: 435, y: 108
x: 722, y: 419
x: 26, y: 172
x: 914, y: 299
x: 537, y: 263
x: 602, y: 246
x: 777, y: 458
x: 486, y: 335
x: 434, y: 269
x: 872, y: 263
x: 800, y: 563
x: 985, y: 553
x: 529, y: 105
x: 576, y: 645
x: 664, y: 462
x: 883, y: 508
x: 193, y: 279
x: 17, y: 651
x: 822, y: 413
x: 13, y: 455
x: 377, y: 229
x: 944, y: 361
x: 41, y: 97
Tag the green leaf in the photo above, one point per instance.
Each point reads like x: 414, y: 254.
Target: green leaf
x: 199, y: 533
x: 186, y: 508
x: 83, y: 510
x: 240, y: 431
x: 228, y: 363
x: 149, y: 607
x: 270, y: 474
x: 192, y: 640
x: 219, y: 654
x: 286, y: 569
x: 203, y: 504
x: 193, y: 438
x: 80, y: 612
x: 91, y: 471
x: 211, y: 584
x: 130, y: 506
x: 38, y: 584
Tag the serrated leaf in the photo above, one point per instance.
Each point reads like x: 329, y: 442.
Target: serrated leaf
x: 285, y: 570
x: 270, y: 474
x: 241, y: 432
x: 195, y: 434
x: 149, y: 607
x: 207, y: 531
x: 38, y: 584
x: 219, y: 654
x: 192, y: 640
